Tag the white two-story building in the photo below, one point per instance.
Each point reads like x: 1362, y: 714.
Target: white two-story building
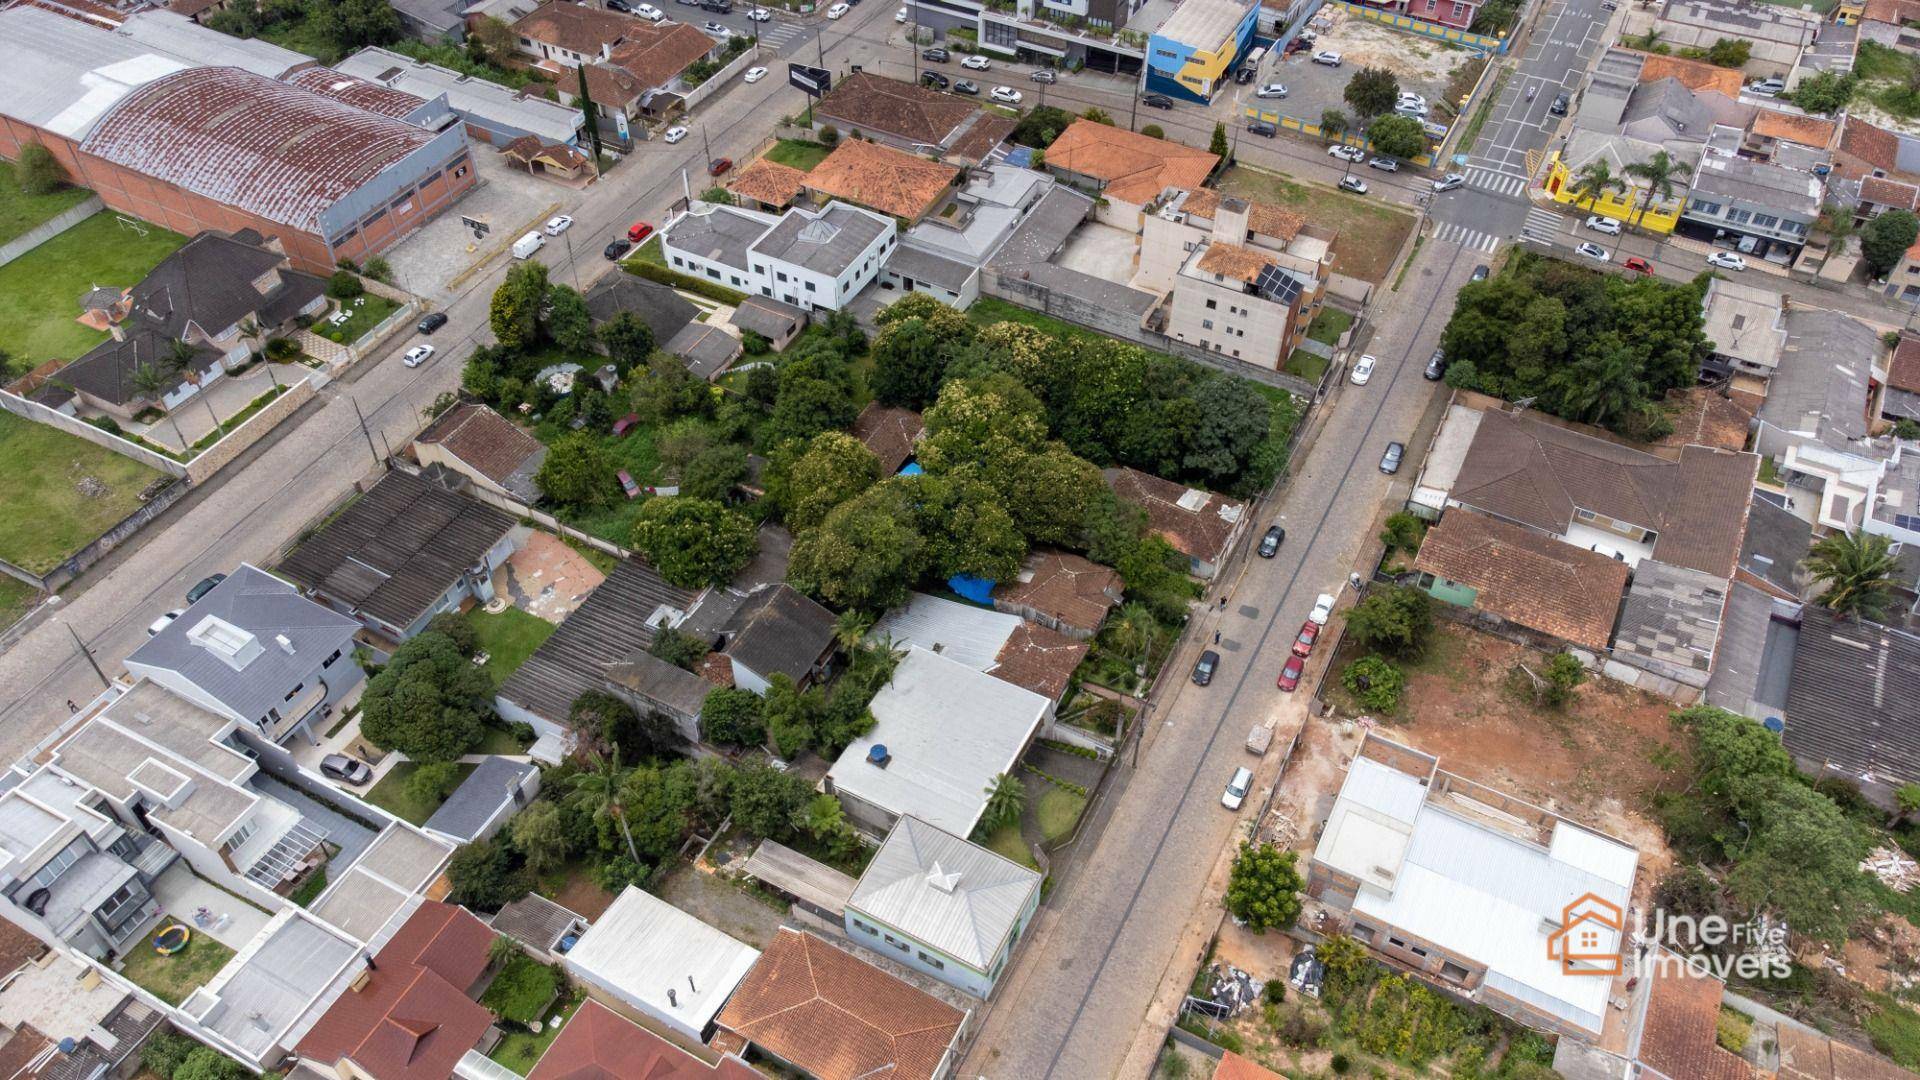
x: 813, y: 259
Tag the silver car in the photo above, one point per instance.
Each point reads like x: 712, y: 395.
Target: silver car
x: 1236, y: 792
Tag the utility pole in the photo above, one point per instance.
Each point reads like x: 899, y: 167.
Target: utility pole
x: 82, y: 646
x: 358, y: 415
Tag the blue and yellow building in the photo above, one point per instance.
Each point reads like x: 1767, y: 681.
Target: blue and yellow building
x: 1630, y: 203
x: 1193, y: 53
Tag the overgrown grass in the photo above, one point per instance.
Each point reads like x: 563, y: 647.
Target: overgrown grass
x: 499, y: 740
x: 45, y: 515
x: 40, y: 291
x: 1058, y: 812
x: 1305, y: 365
x: 508, y: 638
x: 1370, y: 231
x: 521, y: 990
x: 310, y: 889
x: 1329, y: 324
x: 1011, y: 843
x: 797, y: 153
x: 20, y: 212
x: 395, y: 796
x: 1895, y: 1030
x: 172, y: 978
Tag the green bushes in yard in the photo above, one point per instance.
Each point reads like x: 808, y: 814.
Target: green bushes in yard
x: 522, y: 989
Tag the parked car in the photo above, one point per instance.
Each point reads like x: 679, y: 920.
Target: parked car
x: 619, y: 5
x: 1768, y: 87
x: 935, y: 55
x: 1390, y: 461
x: 1363, y: 370
x: 1480, y: 273
x: 1347, y: 153
x: 1559, y: 106
x: 627, y: 485
x: 1726, y: 260
x: 558, y: 224
x: 1408, y: 97
x: 1449, y: 182
x: 615, y: 248
x: 204, y: 587
x: 1043, y: 75
x: 432, y: 322
x: 1270, y: 543
x: 1245, y: 75
x: 976, y: 62
x: 1607, y: 225
x: 755, y: 74
x: 718, y: 29
x: 759, y: 14
x: 1204, y: 668
x: 1262, y: 128
x: 1272, y: 90
x: 1322, y: 609
x: 934, y: 79
x: 649, y: 13
x: 1637, y: 264
x: 160, y: 623
x: 900, y: 16
x: 1436, y: 366
x: 1156, y: 101
x: 350, y: 770
x: 1237, y: 788
x: 639, y: 231
x: 1593, y: 251
x: 718, y: 7
x: 1005, y: 94
x: 1327, y: 57
x: 625, y: 424
x: 1384, y: 164
x: 675, y: 134
x: 417, y: 355
x: 837, y: 11
x: 719, y: 165
x: 967, y: 87
x: 1407, y: 108
x: 1353, y: 184
x: 1289, y: 679
x: 1303, y: 642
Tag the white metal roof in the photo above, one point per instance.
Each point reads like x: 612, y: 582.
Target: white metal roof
x: 63, y: 75
x: 949, y: 730
x: 1203, y: 24
x: 960, y: 632
x: 642, y: 947
x: 465, y: 94
x: 182, y: 37
x: 954, y: 895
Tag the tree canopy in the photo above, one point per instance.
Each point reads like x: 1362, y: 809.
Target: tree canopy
x: 694, y: 542
x: 1371, y: 91
x: 430, y: 702
x: 1886, y: 239
x: 1398, y: 136
x: 1263, y: 889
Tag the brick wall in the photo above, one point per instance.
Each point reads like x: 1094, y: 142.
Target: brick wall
x: 215, y: 457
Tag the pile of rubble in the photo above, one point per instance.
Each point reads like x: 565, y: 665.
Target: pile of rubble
x: 1893, y: 867
x: 1230, y: 990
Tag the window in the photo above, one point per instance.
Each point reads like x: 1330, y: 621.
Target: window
x: 1739, y: 217
x: 1364, y: 933
x: 712, y: 273
x: 1211, y: 305
x: 1206, y: 324
x: 297, y: 687
x: 863, y: 926
x: 677, y: 262
x: 239, y: 836
x: 57, y: 865
x: 1396, y: 942
x: 1453, y: 971
x: 1706, y: 207
x: 329, y: 661
x: 460, y: 172
x: 780, y: 275
x: 1416, y: 950
x: 896, y: 942
x: 1766, y: 221
x: 930, y: 960
x: 735, y: 278
x: 810, y: 287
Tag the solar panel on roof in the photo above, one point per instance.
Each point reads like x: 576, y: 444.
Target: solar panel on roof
x: 1277, y: 285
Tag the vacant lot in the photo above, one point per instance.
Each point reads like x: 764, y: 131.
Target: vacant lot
x: 394, y: 793
x: 20, y: 212
x: 1371, y: 233
x: 797, y: 153
x: 61, y: 492
x: 40, y: 291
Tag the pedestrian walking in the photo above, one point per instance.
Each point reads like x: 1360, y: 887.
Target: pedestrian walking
x: 1223, y: 603
x: 71, y: 707
x: 1216, y: 637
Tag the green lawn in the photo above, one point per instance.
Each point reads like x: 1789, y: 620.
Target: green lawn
x: 370, y: 313
x: 1009, y: 841
x: 509, y: 638
x: 40, y: 291
x: 391, y: 794
x: 1059, y: 811
x: 650, y: 252
x: 44, y: 514
x: 520, y: 1049
x: 1305, y: 365
x: 16, y: 599
x: 499, y: 740
x: 172, y: 978
x: 1327, y: 326
x: 797, y: 153
x: 521, y: 990
x: 20, y: 212
x: 1370, y: 232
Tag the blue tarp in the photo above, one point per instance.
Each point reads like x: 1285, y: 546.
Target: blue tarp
x: 911, y: 468
x: 1021, y: 157
x: 978, y: 590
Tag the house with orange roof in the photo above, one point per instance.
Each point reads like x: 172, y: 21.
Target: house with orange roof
x: 881, y: 178
x: 599, y: 1044
x: 1126, y: 169
x: 1693, y: 74
x: 1771, y: 127
x: 1886, y: 22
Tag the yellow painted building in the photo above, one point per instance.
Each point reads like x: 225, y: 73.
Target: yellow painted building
x: 1848, y: 12
x: 1629, y: 205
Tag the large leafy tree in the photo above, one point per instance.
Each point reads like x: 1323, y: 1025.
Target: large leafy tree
x: 1858, y: 570
x: 429, y: 703
x: 566, y: 320
x: 764, y: 800
x: 1398, y: 136
x: 866, y: 554
x: 628, y: 340
x: 540, y: 836
x: 835, y: 467
x: 1395, y: 619
x: 599, y: 791
x: 1802, y: 860
x: 515, y: 310
x: 1233, y: 420
x: 912, y: 354
x: 1371, y: 91
x: 578, y: 471
x: 694, y: 542
x: 815, y: 393
x: 731, y: 717
x: 1263, y: 889
x: 1886, y: 238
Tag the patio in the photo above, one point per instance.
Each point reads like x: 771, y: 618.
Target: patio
x: 547, y: 578
x: 193, y: 419
x: 349, y: 835
x: 183, y: 895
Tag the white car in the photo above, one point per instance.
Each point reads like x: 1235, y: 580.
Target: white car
x: 900, y: 16
x: 1363, y: 370
x: 1449, y: 182
x: 1414, y: 100
x: 755, y: 74
x: 1272, y: 90
x: 1236, y: 792
x: 759, y: 14
x: 1593, y: 251
x: 718, y: 29
x: 649, y: 12
x: 1005, y: 94
x: 160, y: 623
x: 1347, y: 153
x: 976, y: 62
x: 1606, y: 225
x: 417, y: 355
x: 1327, y: 57
x: 1322, y: 609
x: 1353, y: 184
x: 837, y: 10
x: 676, y: 133
x: 558, y: 224
x: 1726, y: 260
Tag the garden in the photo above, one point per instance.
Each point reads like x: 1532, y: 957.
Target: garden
x: 798, y: 153
x: 172, y: 977
x: 40, y: 291
x: 61, y: 492
x: 413, y: 790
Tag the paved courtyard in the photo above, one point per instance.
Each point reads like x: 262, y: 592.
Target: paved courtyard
x: 547, y: 578
x: 1100, y: 250
x: 1420, y: 65
x: 510, y: 201
x: 228, y: 395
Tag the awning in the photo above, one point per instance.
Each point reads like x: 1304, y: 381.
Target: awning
x: 813, y: 883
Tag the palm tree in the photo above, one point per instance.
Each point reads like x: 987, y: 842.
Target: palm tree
x: 850, y: 629
x: 149, y: 380
x: 1659, y: 172
x: 1603, y: 386
x: 1133, y: 631
x: 1595, y: 179
x: 180, y: 355
x: 1006, y: 797
x: 1858, y: 569
x: 597, y: 791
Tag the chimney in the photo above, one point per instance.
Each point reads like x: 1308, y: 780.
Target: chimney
x: 690, y: 987
x: 285, y: 643
x: 673, y: 999
x: 1230, y: 220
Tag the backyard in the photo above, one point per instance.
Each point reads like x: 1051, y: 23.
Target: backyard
x: 797, y: 153
x: 1371, y: 233
x: 40, y: 291
x: 20, y: 212
x: 172, y: 978
x: 61, y: 492
x: 508, y: 638
x: 368, y: 311
x: 521, y: 1048
x: 396, y: 796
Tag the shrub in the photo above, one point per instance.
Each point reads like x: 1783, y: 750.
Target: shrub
x: 1731, y: 1029
x: 344, y: 285
x: 459, y: 630
x: 1375, y: 683
x: 829, y: 135
x: 433, y: 781
x: 1263, y: 889
x: 1301, y: 1029
x: 1275, y: 991
x: 1153, y: 131
x: 665, y: 276
x: 483, y: 876
x: 37, y: 170
x: 165, y: 1052
x: 281, y: 348
x: 1340, y: 1064
x: 522, y: 989
x: 378, y: 269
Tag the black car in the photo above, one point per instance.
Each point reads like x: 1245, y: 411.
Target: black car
x: 1559, y: 106
x: 1270, y: 543
x: 935, y: 55
x: 966, y: 86
x: 619, y: 5
x: 1204, y: 668
x: 1390, y: 461
x: 1436, y: 365
x: 1261, y: 127
x: 206, y: 586
x: 617, y: 247
x: 1480, y: 272
x: 432, y: 322
x: 718, y: 7
x: 1245, y: 74
x: 1157, y: 101
x: 935, y: 80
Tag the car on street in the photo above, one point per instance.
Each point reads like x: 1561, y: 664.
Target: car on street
x: 759, y: 14
x: 1043, y: 75
x: 1559, y: 106
x: 1347, y: 153
x: 934, y: 79
x: 1726, y: 260
x: 935, y: 55
x: 718, y: 7
x: 719, y: 165
x: 1262, y: 128
x: 1436, y: 366
x: 1156, y: 101
x: 558, y: 224
x: 1237, y: 788
x: 1005, y: 94
x: 837, y: 10
x: 675, y: 134
x: 350, y: 770
x: 1384, y: 164
x: 719, y: 29
x: 1322, y: 609
x: 1353, y: 184
x: 432, y: 322
x: 160, y: 623
x: 1480, y: 273
x: 1303, y: 642
x: 967, y: 87
x: 1272, y: 90
x: 976, y: 62
x: 1390, y: 461
x: 1607, y: 225
x: 1637, y: 264
x: 1270, y: 543
x: 620, y: 5
x: 649, y: 13
x: 688, y: 3
x: 1327, y: 57
x: 616, y: 247
x: 1204, y: 668
x: 1449, y: 182
x: 417, y: 355
x: 1593, y: 251
x: 639, y: 231
x: 1363, y: 370
x: 1289, y: 679
x: 900, y: 16
x: 755, y: 74
x: 204, y: 587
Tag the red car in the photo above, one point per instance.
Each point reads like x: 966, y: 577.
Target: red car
x: 719, y: 165
x: 1290, y: 675
x: 627, y: 485
x: 1638, y: 264
x: 1303, y: 645
x: 625, y: 424
x: 640, y: 231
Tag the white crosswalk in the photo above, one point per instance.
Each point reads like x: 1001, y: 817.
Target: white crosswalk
x: 1544, y: 225
x: 775, y: 35
x: 1490, y: 180
x: 1471, y: 239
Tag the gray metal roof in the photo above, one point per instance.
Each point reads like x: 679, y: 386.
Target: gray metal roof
x: 536, y: 921
x: 954, y: 895
x: 826, y: 242
x: 1785, y: 190
x: 1671, y: 620
x: 949, y: 273
x: 1775, y: 543
x: 1822, y: 381
x: 962, y: 633
x: 615, y: 621
x: 785, y: 632
x: 284, y: 973
x: 663, y: 310
x: 768, y: 317
x: 294, y: 634
x: 1851, y: 701
x: 466, y: 94
x: 1740, y: 656
x: 176, y: 34
x: 706, y: 350
x: 474, y: 803
x: 789, y: 871
x: 719, y: 234
x: 1203, y: 24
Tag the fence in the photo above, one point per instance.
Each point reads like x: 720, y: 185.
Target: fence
x: 215, y: 457
x: 73, y: 425
x: 50, y: 228
x: 1482, y: 42
x: 97, y: 549
x: 722, y: 78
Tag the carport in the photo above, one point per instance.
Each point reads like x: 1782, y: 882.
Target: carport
x: 808, y: 882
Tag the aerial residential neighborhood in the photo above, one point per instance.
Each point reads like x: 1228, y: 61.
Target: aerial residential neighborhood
x: 580, y: 539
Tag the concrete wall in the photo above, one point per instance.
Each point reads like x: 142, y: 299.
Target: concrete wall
x: 723, y: 78
x: 49, y: 229
x: 73, y: 425
x: 215, y: 457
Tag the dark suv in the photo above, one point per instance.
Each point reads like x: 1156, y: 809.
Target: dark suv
x: 1204, y: 668
x: 1559, y: 106
x: 1261, y: 127
x: 718, y: 7
x: 433, y: 322
x: 1270, y: 543
x: 934, y: 79
x: 935, y: 55
x: 1436, y: 365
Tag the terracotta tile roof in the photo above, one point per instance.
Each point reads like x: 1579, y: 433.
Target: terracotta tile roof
x: 1263, y: 218
x: 1134, y: 167
x: 529, y: 147
x: 1677, y: 1038
x: 768, y: 182
x: 987, y: 131
x: 1804, y: 1054
x: 477, y: 435
x: 1199, y: 533
x: 1904, y: 372
x: 1881, y: 191
x: 412, y: 1019
x: 1527, y: 578
x: 575, y: 27
x: 17, y: 947
x: 1234, y: 261
x: 1068, y: 587
x: 1814, y: 131
x: 655, y: 53
x: 1038, y: 659
x: 610, y: 86
x: 1693, y: 74
x: 903, y: 110
x: 890, y: 432
x: 599, y: 1045
x: 1704, y: 417
x: 1877, y: 147
x: 1234, y: 1067
x: 1897, y: 12
x: 882, y: 178
x: 837, y: 1017
x: 1853, y: 1063
x: 20, y: 1050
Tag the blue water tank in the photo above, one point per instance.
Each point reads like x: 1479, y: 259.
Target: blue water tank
x: 877, y: 755
x: 1774, y: 724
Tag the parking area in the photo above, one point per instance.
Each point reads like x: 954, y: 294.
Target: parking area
x: 1421, y: 65
x: 506, y: 198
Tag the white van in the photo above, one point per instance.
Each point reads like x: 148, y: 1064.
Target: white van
x: 524, y: 247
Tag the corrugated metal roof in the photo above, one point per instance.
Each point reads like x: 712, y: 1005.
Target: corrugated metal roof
x: 968, y: 915
x: 962, y: 633
x: 467, y: 95
x: 478, y: 798
x: 181, y: 36
x: 63, y: 76
x: 607, y: 628
x: 809, y: 879
x: 642, y: 948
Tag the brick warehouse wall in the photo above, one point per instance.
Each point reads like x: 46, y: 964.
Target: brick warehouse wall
x: 170, y: 207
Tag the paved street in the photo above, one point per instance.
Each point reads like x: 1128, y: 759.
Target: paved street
x: 1082, y: 986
